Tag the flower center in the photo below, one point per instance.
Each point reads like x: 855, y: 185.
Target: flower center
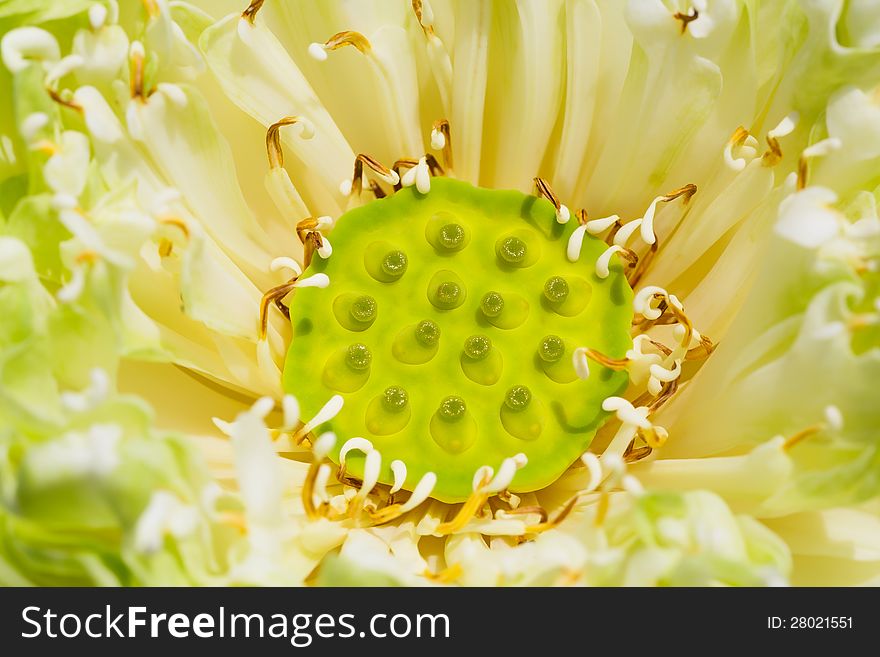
x: 449, y: 327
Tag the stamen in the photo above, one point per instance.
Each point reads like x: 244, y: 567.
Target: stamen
x: 483, y: 472
x: 137, y: 55
x: 320, y: 496
x: 323, y: 445
x: 563, y: 214
x: 273, y: 138
x: 441, y: 140
x: 346, y: 38
x: 604, y: 260
x: 506, y: 472
x: 596, y: 226
x: 316, y: 280
x: 250, y: 13
x: 328, y: 412
x: 290, y: 410
x: 32, y: 124
x: 372, y: 467
x: 468, y: 510
x: 791, y: 441
x: 273, y: 296
x: 447, y: 575
x: 358, y: 443
x: 785, y: 127
x: 24, y: 45
x: 420, y: 493
x: 285, y: 262
x: 315, y: 483
x: 737, y: 139
x: 660, y: 374
x: 418, y: 176
x: 581, y: 365
x: 645, y: 297
x: 398, y: 469
x: 576, y: 242
x: 97, y: 16
x: 687, y: 18
x: 819, y: 149
x: 626, y: 412
x: 834, y: 418
x: 380, y: 170
x: 594, y: 467
x: 648, y: 235
x: 64, y: 100
x: 425, y: 16
x: 558, y: 518
x: 152, y: 8
x: 621, y: 237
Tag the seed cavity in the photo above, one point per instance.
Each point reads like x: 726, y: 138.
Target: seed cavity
x: 522, y: 416
x: 492, y: 304
x: 452, y: 408
x: 452, y: 427
x: 356, y: 312
x: 394, y: 264
x: 427, y: 333
x: 521, y: 248
x: 389, y: 412
x: 385, y: 262
x: 513, y: 250
x: 358, y: 357
x: 446, y: 290
x: 477, y: 347
x: 447, y: 233
x: 518, y: 398
x: 551, y: 349
x: 417, y: 343
x: 556, y: 289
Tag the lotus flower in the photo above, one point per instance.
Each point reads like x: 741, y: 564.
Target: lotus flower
x: 176, y: 176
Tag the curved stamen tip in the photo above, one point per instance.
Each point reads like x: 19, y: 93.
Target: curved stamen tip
x: 834, y: 418
x: 285, y: 262
x: 323, y: 445
x: 575, y: 243
x: 318, y: 52
x: 438, y: 140
x: 318, y: 280
x: 97, y: 16
x: 785, y: 127
x: 357, y: 443
x: 581, y: 363
x: 398, y: 469
x: 563, y: 214
x: 823, y: 147
x: 345, y: 38
x: 250, y: 13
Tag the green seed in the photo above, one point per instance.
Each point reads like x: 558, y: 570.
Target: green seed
x: 492, y: 304
x: 358, y: 357
x: 513, y: 250
x: 452, y: 408
x: 394, y: 264
x: 363, y: 309
x: 556, y: 289
x: 451, y: 236
x: 395, y: 399
x: 551, y: 349
x: 477, y: 347
x: 518, y: 398
x: 427, y: 333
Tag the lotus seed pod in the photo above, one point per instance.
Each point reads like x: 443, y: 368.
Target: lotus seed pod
x: 461, y: 359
